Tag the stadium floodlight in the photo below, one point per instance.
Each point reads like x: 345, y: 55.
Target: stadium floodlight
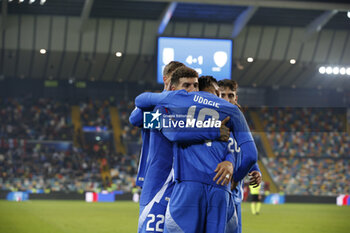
x: 335, y: 70
x: 250, y: 59
x: 42, y: 2
x: 342, y: 71
x: 322, y: 70
x: 118, y: 54
x: 292, y: 61
x: 329, y: 70
x: 42, y: 51
x: 349, y: 14
x: 31, y: 1
x: 348, y: 71
x: 20, y: 1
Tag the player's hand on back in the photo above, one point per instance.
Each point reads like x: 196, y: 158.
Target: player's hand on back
x: 224, y: 172
x: 255, y: 178
x: 224, y: 130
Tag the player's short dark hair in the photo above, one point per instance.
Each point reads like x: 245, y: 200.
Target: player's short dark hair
x: 182, y: 72
x: 171, y: 67
x: 231, y: 84
x: 206, y: 81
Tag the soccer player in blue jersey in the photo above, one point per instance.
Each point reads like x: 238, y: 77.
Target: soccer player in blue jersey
x: 228, y: 91
x: 158, y: 180
x: 136, y: 119
x: 198, y: 203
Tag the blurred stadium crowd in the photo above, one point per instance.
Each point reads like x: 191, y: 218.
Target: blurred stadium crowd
x: 29, y: 162
x: 42, y: 119
x: 311, y: 148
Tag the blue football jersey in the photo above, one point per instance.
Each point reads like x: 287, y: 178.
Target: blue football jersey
x: 145, y: 135
x: 136, y: 120
x: 237, y: 155
x: 158, y: 167
x: 155, y: 168
x: 197, y: 162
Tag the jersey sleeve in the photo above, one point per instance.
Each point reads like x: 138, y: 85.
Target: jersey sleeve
x: 249, y: 158
x: 149, y: 100
x: 230, y: 157
x: 255, y: 167
x: 187, y: 135
x: 136, y: 117
x: 245, y: 141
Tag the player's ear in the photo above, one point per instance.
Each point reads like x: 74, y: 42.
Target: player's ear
x: 164, y: 79
x: 172, y: 87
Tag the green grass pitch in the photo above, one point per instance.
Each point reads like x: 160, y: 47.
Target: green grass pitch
x: 121, y: 217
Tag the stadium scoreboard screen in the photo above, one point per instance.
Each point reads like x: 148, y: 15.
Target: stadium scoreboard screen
x: 207, y: 56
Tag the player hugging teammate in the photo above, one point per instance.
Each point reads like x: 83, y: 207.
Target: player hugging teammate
x: 187, y: 174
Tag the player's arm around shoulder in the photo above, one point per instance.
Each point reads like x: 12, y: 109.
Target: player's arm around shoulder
x: 136, y: 117
x: 149, y: 99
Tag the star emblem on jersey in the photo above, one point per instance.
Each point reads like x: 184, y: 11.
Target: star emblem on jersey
x: 152, y: 120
